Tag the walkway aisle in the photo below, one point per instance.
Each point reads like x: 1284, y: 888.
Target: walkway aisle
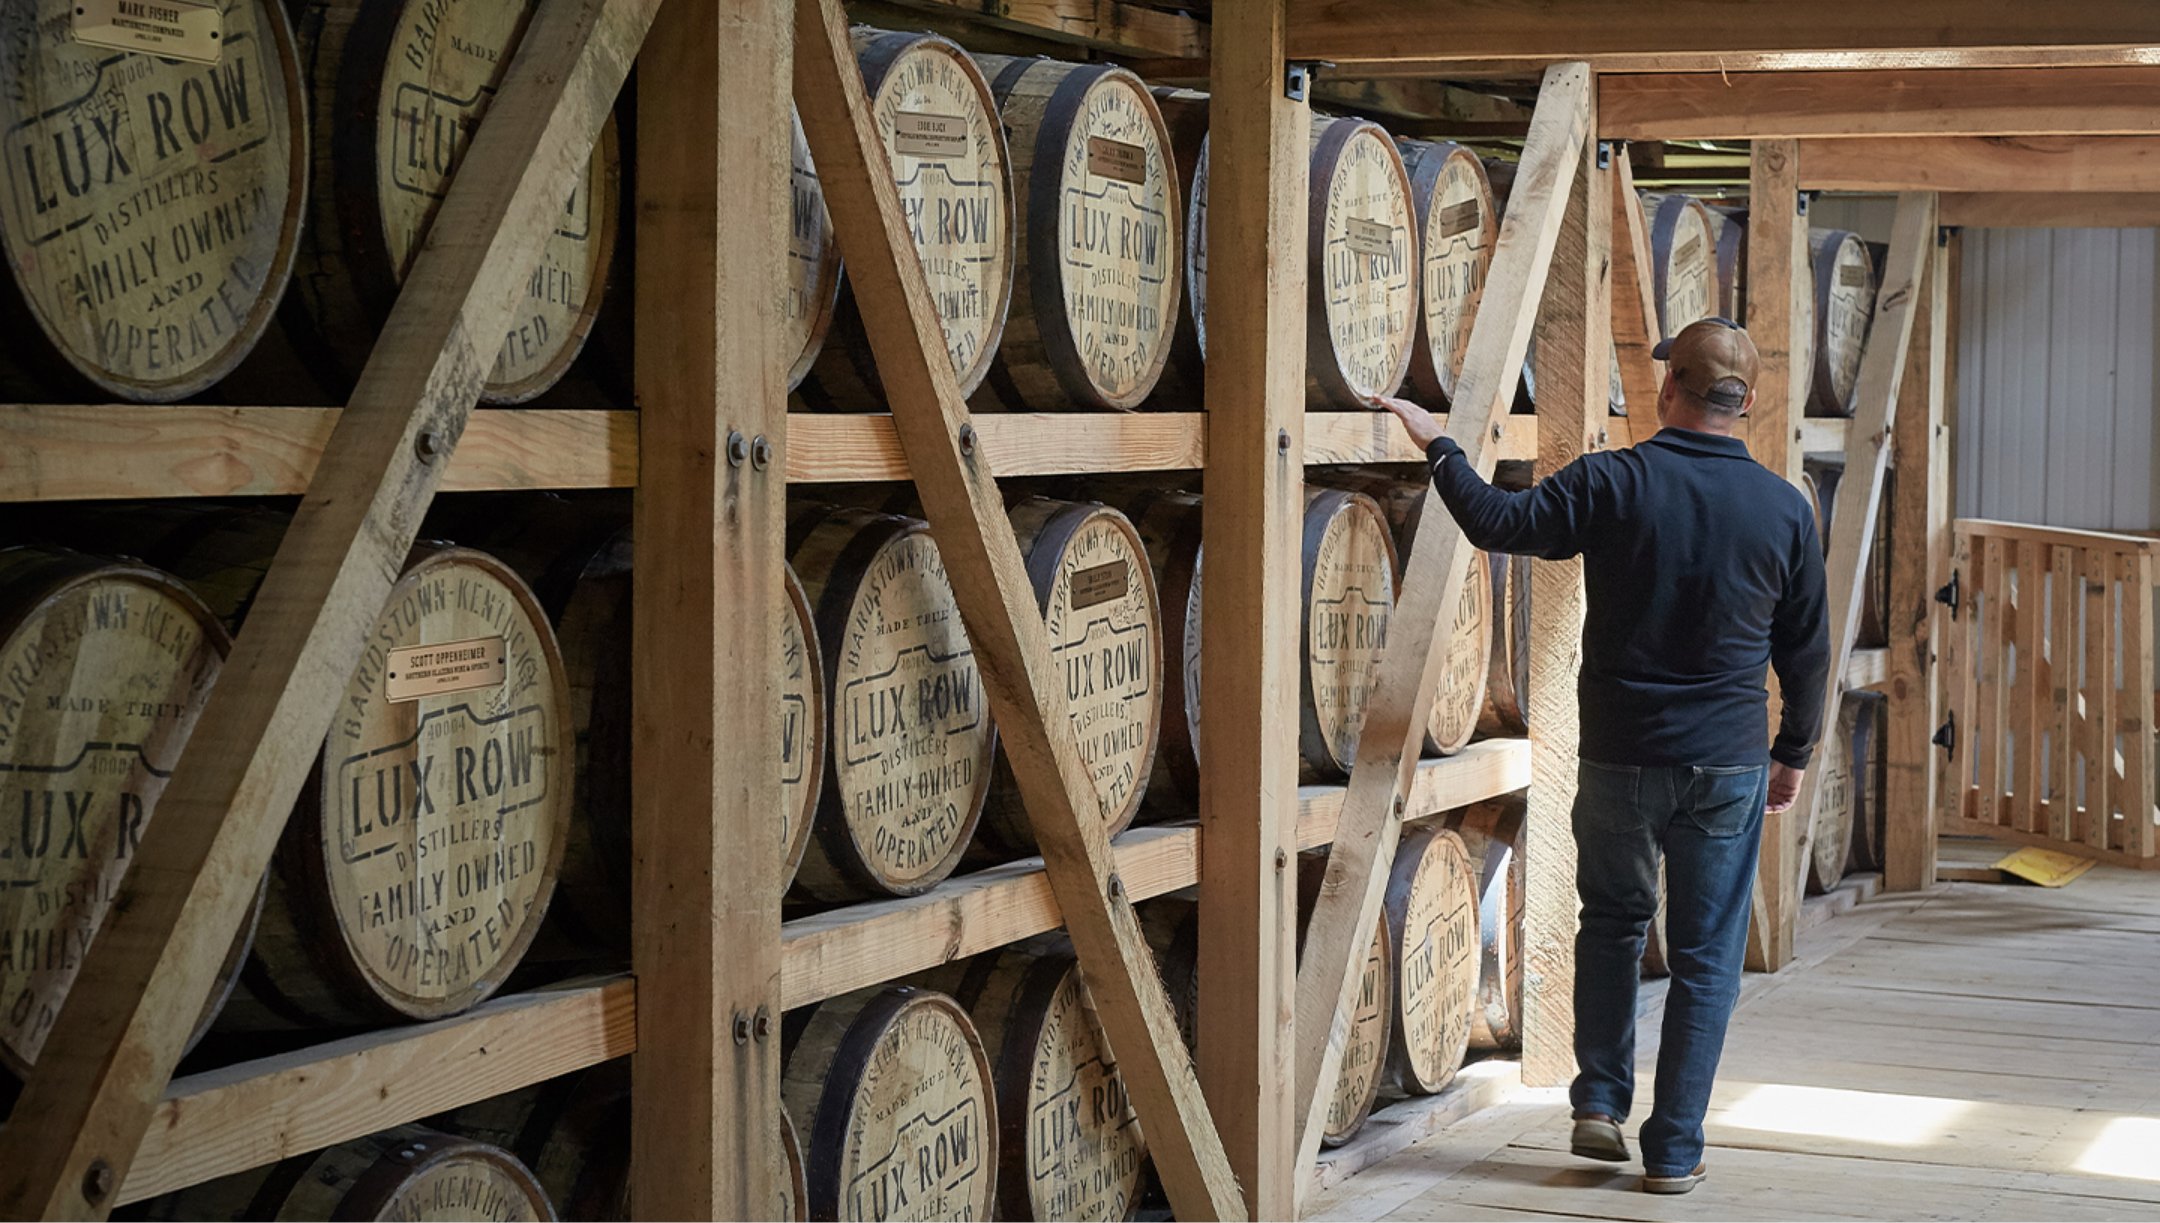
x: 1987, y: 1052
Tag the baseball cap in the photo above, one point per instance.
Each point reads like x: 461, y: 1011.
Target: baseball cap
x: 1707, y: 352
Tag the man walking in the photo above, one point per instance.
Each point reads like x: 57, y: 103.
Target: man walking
x: 1701, y: 568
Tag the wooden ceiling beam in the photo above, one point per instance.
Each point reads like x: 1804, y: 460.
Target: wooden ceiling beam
x: 2059, y: 164
x: 1113, y: 26
x: 1457, y: 64
x: 2051, y: 210
x: 1800, y: 105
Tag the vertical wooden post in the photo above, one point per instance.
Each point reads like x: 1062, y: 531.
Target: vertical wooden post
x: 713, y: 221
x: 1777, y: 251
x: 1255, y: 488
x: 1919, y: 564
x: 1575, y: 355
x: 1777, y: 245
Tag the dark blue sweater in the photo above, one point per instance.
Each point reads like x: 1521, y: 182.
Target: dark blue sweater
x: 1701, y: 568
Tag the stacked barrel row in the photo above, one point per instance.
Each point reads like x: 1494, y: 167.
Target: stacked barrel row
x: 237, y: 225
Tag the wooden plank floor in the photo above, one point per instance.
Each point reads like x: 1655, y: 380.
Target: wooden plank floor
x: 1983, y: 1052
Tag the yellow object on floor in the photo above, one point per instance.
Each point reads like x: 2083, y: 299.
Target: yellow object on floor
x: 2045, y: 867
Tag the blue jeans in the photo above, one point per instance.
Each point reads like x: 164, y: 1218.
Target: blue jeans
x: 1707, y: 822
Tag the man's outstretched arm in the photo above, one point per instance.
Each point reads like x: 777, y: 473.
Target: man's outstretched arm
x: 1549, y: 520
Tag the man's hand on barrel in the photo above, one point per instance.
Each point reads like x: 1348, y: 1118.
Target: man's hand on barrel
x: 1422, y: 425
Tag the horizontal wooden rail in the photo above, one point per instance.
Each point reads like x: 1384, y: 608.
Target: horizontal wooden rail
x: 243, y: 1116
x: 238, y: 1117
x: 106, y: 452
x: 99, y: 452
x: 863, y: 944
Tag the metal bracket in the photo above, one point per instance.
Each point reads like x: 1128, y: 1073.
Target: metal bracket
x: 1605, y: 151
x: 1298, y: 77
x: 1948, y: 596
x: 1942, y: 234
x: 1805, y: 196
x: 1945, y: 736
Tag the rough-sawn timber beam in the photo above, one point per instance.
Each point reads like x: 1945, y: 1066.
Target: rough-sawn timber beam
x: 1357, y: 869
x: 1357, y: 32
x: 83, y: 1113
x: 1859, y: 499
x: 1799, y: 105
x: 2067, y: 164
x: 997, y: 604
x: 1634, y: 322
x: 2050, y: 210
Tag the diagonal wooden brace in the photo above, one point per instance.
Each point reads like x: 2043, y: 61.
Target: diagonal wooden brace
x: 982, y: 558
x: 1635, y: 314
x: 1342, y: 920
x: 85, y: 1109
x: 1859, y: 500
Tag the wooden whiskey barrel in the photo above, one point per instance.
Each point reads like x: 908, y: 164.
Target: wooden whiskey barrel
x: 1096, y: 590
x: 1850, y: 763
x: 1458, y: 227
x: 1069, y: 1144
x: 408, y: 1173
x: 1460, y: 698
x: 1184, y: 375
x: 813, y: 263
x: 108, y: 667
x: 1507, y: 689
x: 1492, y: 834
x: 1683, y: 260
x: 893, y: 1093
x: 1346, y: 597
x: 1365, y: 1056
x: 1729, y: 226
x: 1432, y: 921
x: 1870, y: 776
x: 420, y: 860
x: 1824, y: 472
x: 577, y: 556
x: 573, y: 1133
x: 1096, y: 282
x: 398, y: 86
x: 1362, y: 274
x: 946, y: 150
x: 155, y: 193
x: 1844, y: 308
x: 1169, y: 524
x: 910, y: 736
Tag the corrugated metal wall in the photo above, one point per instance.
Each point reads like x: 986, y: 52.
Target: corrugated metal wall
x: 2055, y: 379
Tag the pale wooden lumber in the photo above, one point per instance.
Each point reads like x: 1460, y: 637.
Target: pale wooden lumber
x: 1342, y: 920
x: 1634, y: 315
x: 97, y: 452
x: 2041, y: 209
x: 1999, y: 102
x: 82, y: 1116
x: 997, y: 603
x: 1718, y: 33
x: 1252, y: 528
x: 1859, y: 498
x: 1777, y: 254
x: 1574, y: 343
x: 243, y: 1116
x: 2067, y: 164
x: 713, y: 224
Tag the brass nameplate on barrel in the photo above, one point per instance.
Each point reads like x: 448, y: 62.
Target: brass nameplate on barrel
x: 438, y: 670
x: 171, y: 29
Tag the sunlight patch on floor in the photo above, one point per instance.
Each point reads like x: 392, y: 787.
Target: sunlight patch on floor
x: 2128, y: 1147
x: 1834, y: 1112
